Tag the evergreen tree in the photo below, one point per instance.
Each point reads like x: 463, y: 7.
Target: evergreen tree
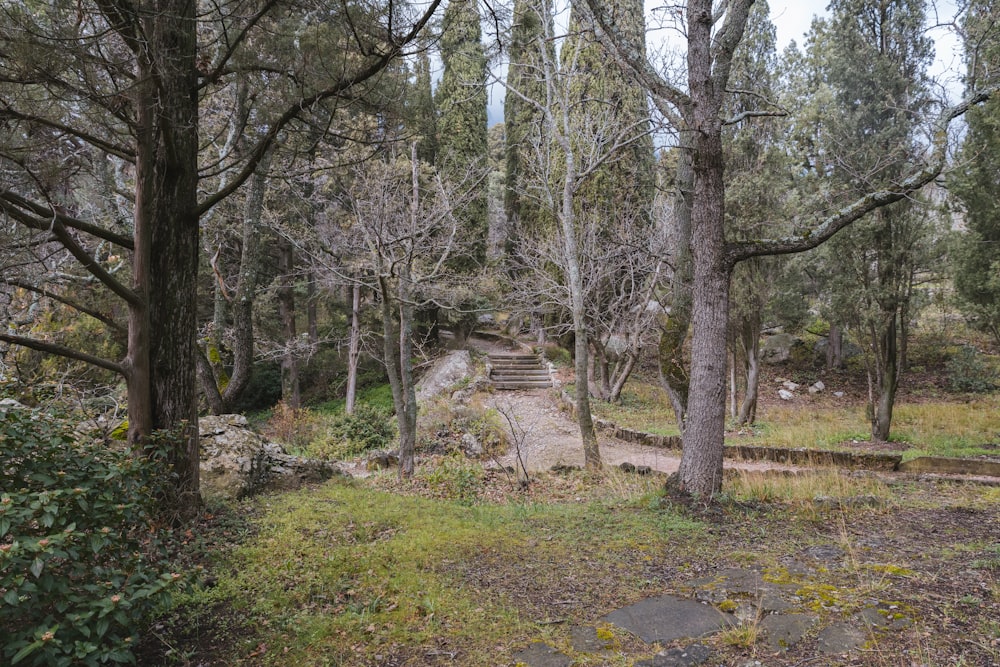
x: 613, y: 109
x: 975, y: 184
x: 873, y: 56
x: 522, y: 116
x: 461, y: 103
x: 422, y: 114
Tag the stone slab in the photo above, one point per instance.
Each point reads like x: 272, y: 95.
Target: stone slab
x: 540, y: 654
x: 585, y: 640
x: 666, y: 618
x: 952, y: 466
x: 688, y: 656
x: 840, y: 638
x: 782, y: 631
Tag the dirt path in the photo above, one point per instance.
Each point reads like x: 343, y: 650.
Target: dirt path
x: 546, y: 436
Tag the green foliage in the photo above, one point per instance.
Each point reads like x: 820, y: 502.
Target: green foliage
x: 969, y: 372
x: 370, y: 427
x: 79, y: 564
x: 456, y: 478
x: 263, y: 390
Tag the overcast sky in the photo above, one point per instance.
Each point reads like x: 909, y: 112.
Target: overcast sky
x: 792, y: 20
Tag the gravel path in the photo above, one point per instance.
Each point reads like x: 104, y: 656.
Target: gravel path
x: 546, y: 436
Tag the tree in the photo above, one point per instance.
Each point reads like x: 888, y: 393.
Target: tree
x: 566, y: 151
x: 461, y: 103
x: 124, y: 83
x: 870, y: 138
x: 404, y: 223
x: 712, y: 39
x: 974, y: 182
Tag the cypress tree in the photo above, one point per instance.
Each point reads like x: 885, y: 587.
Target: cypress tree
x: 611, y: 107
x: 461, y: 123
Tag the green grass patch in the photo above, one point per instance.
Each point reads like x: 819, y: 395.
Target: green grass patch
x: 337, y: 575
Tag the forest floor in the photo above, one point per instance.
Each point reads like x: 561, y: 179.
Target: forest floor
x: 462, y: 566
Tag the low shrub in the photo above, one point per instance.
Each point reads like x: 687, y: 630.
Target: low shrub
x: 370, y: 427
x: 80, y: 563
x: 294, y: 428
x: 968, y: 371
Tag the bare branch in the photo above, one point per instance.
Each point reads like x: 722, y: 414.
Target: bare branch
x: 46, y: 215
x: 97, y: 315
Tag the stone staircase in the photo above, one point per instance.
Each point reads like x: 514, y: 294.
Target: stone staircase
x: 519, y: 371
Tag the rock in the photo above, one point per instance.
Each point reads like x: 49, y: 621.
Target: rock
x: 790, y: 386
x: 817, y: 387
x: 444, y: 374
x: 688, y: 656
x: 840, y: 638
x: 785, y: 395
x: 838, y: 394
x: 11, y: 404
x: 540, y: 654
x: 666, y: 618
x: 776, y: 348
x: 236, y: 461
x: 471, y: 444
x: 381, y: 460
x: 785, y: 630
x: 586, y: 640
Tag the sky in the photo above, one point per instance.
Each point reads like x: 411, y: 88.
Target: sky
x: 792, y: 20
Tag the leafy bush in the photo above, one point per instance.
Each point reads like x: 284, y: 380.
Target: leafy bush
x: 79, y: 562
x: 370, y: 427
x: 968, y: 371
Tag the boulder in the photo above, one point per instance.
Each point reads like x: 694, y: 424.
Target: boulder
x: 785, y: 395
x: 444, y: 374
x: 776, y: 348
x: 817, y: 387
x: 236, y: 461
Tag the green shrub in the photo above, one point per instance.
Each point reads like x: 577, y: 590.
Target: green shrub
x: 969, y: 372
x: 456, y: 478
x: 79, y: 563
x: 370, y: 427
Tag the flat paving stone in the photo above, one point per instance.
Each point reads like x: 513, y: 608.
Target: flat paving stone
x: 666, y: 618
x: 585, y: 640
x: 782, y: 631
x: 689, y: 656
x: 840, y: 638
x: 883, y: 616
x: 825, y: 553
x: 540, y: 654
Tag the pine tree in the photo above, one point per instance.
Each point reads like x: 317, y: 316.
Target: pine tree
x: 874, y: 57
x: 461, y: 124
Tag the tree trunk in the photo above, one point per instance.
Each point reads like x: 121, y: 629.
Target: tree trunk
x: 286, y: 310
x: 888, y: 382
x: 171, y: 206
x: 622, y: 372
x: 312, y: 317
x: 354, y: 349
x: 700, y: 470
x: 835, y: 348
x: 750, y: 342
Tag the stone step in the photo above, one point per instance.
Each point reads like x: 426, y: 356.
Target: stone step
x: 516, y: 375
x: 522, y: 385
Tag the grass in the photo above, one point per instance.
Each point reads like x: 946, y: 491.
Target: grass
x: 338, y: 574
x: 940, y: 428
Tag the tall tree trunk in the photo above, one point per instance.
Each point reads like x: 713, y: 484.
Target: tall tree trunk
x: 170, y: 206
x: 286, y: 310
x: 312, y: 317
x: 888, y: 382
x: 700, y: 471
x: 622, y: 372
x: 354, y: 349
x: 749, y: 341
